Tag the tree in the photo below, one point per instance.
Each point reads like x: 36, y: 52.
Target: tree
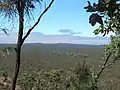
x: 107, y: 14
x: 20, y: 8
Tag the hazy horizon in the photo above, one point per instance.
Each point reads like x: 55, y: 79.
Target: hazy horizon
x: 37, y: 37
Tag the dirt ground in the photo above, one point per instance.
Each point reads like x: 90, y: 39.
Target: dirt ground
x: 5, y: 85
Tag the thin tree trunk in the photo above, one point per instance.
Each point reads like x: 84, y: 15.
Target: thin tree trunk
x: 18, y: 51
x: 21, y: 39
x: 19, y: 42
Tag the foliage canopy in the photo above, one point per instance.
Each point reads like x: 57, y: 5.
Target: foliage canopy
x: 107, y: 14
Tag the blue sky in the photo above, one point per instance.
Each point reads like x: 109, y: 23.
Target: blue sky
x: 66, y: 14
x: 65, y: 22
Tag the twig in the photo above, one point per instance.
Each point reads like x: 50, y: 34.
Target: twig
x: 103, y: 67
x: 111, y: 62
x: 101, y: 70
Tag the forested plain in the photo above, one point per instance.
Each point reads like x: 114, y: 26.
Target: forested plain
x: 37, y: 56
x: 60, y: 66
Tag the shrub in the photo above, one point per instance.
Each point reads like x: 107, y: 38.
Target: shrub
x: 79, y: 78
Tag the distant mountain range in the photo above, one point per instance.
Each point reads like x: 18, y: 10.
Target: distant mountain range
x: 36, y: 37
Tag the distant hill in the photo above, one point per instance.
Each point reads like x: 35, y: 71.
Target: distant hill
x: 54, y: 39
x: 57, y: 45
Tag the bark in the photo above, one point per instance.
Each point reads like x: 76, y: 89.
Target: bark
x: 16, y: 68
x: 19, y: 44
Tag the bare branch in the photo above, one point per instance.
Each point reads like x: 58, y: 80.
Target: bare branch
x: 101, y: 70
x: 38, y: 20
x: 113, y: 62
x: 103, y: 67
x: 4, y: 30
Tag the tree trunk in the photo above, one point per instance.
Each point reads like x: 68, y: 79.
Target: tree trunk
x: 20, y: 9
x: 18, y: 51
x: 21, y: 39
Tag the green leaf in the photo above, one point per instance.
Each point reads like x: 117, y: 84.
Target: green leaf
x: 96, y: 32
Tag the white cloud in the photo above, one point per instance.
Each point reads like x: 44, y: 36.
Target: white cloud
x: 68, y: 32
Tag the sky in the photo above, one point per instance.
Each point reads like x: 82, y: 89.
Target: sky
x: 65, y: 22
x: 67, y: 15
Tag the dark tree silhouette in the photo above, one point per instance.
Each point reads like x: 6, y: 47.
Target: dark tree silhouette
x: 106, y: 13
